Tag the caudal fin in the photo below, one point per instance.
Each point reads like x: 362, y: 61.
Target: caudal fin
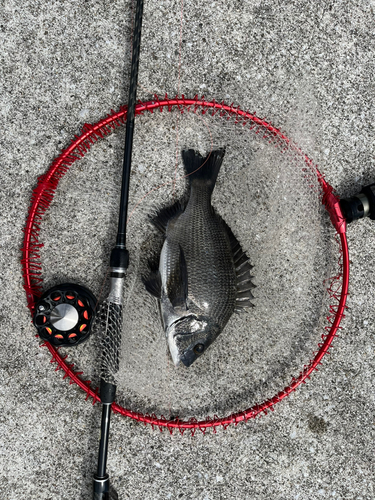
x: 202, y: 169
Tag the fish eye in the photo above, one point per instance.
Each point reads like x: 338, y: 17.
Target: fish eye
x: 198, y: 349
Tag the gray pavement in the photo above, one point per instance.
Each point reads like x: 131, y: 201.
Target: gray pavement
x: 308, y: 67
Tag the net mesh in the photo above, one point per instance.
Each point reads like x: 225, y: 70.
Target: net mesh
x: 108, y: 330
x: 269, y: 196
x: 271, y: 203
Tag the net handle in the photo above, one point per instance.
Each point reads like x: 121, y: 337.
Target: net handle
x: 43, y: 195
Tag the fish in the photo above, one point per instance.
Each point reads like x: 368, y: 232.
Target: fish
x: 203, y: 275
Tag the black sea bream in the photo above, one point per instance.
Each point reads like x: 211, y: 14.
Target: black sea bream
x: 203, y: 276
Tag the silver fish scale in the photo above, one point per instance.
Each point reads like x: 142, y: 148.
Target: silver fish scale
x: 209, y: 260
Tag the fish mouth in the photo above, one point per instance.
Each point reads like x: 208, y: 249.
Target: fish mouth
x: 175, y: 336
x: 173, y: 340
x: 189, y: 357
x: 186, y: 357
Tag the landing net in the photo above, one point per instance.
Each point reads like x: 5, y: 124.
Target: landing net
x: 273, y: 198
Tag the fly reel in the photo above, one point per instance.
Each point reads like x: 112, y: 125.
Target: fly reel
x: 64, y: 314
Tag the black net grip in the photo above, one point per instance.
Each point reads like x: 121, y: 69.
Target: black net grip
x: 360, y: 205
x: 369, y: 192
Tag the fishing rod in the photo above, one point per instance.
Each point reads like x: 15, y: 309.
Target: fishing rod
x: 65, y: 314
x: 119, y: 262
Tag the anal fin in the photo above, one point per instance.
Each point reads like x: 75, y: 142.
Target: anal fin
x: 243, y: 276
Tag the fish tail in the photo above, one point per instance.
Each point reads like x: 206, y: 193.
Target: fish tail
x: 204, y: 170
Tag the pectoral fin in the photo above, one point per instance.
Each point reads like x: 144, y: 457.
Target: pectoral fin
x: 153, y: 284
x: 177, y: 285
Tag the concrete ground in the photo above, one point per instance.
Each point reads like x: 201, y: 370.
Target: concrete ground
x: 306, y: 66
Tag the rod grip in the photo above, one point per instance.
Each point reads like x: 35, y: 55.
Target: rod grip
x: 101, y: 496
x: 101, y: 488
x: 107, y: 392
x: 105, y: 496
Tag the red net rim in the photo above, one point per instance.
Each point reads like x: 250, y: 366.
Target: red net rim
x: 80, y: 145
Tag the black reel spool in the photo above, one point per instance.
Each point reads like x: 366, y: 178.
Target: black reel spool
x: 64, y: 314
